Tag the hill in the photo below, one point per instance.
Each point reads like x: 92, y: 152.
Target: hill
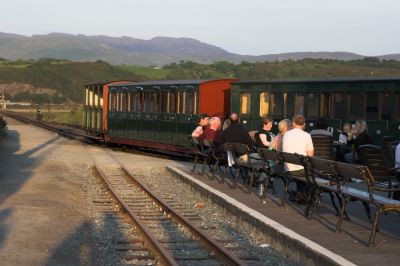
x: 127, y: 50
x: 66, y: 78
x: 58, y: 81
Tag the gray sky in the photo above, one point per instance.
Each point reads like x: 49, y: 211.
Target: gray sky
x: 255, y: 27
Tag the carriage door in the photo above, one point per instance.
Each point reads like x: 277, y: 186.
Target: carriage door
x: 245, y: 111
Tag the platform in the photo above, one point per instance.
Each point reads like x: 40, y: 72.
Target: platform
x: 319, y: 233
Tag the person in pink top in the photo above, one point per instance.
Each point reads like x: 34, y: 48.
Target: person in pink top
x: 213, y: 131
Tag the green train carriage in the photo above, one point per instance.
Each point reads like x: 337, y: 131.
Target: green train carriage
x: 375, y: 100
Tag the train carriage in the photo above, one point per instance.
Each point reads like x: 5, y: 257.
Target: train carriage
x: 376, y: 100
x: 154, y: 114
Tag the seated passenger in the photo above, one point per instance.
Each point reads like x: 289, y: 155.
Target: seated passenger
x: 283, y: 126
x: 227, y: 122
x: 198, y: 132
x: 345, y: 134
x: 298, y: 141
x: 235, y: 133
x: 360, y: 136
x: 213, y: 131
x: 321, y: 128
x: 264, y: 136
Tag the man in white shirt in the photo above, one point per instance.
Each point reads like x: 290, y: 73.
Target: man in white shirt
x: 297, y: 141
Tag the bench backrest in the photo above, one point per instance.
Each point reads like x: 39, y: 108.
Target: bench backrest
x: 321, y: 167
x: 323, y: 146
x: 267, y: 154
x: 237, y: 149
x: 371, y: 156
x: 292, y: 158
x: 348, y: 171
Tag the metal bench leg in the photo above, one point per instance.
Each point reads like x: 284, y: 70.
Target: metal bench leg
x: 368, y: 211
x: 371, y: 241
x: 342, y: 211
x: 251, y: 181
x: 237, y: 174
x: 334, y: 203
x: 195, y: 163
x: 311, y: 201
x: 214, y: 170
x: 285, y: 191
x: 316, y: 204
x: 346, y: 216
x: 203, y: 170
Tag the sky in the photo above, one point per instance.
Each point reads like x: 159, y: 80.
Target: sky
x: 248, y: 27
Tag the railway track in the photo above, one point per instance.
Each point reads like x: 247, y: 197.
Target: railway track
x: 169, y: 230
x: 61, y: 130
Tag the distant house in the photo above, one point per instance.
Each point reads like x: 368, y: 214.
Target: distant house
x: 155, y: 67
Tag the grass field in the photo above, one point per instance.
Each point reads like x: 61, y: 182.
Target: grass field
x: 69, y: 115
x: 150, y: 73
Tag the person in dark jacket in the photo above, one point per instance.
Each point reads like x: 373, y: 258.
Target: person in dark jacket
x: 235, y: 133
x: 360, y: 136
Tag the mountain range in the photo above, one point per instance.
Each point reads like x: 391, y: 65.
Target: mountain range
x: 127, y: 50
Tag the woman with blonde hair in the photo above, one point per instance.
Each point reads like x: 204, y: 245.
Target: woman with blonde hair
x: 360, y: 136
x: 283, y: 126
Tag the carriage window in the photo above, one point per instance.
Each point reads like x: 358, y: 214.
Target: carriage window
x: 195, y: 110
x: 124, y: 102
x: 338, y: 105
x: 87, y: 96
x: 156, y: 102
x: 276, y: 101
x: 299, y: 104
x: 118, y: 101
x: 138, y: 102
x: 181, y: 102
x: 147, y: 106
x: 356, y: 105
x: 113, y: 102
x: 264, y: 103
x: 172, y: 102
x: 371, y: 108
x: 189, y: 103
x: 312, y: 104
x: 324, y: 105
x: 289, y: 103
x: 386, y: 103
x: 164, y: 102
x: 132, y: 102
x: 245, y: 99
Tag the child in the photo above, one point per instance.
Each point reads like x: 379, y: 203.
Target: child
x: 346, y: 134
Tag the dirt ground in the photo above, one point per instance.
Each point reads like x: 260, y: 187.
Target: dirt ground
x: 44, y: 215
x: 46, y: 192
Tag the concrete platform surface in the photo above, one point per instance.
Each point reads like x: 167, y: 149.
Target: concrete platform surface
x: 43, y: 210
